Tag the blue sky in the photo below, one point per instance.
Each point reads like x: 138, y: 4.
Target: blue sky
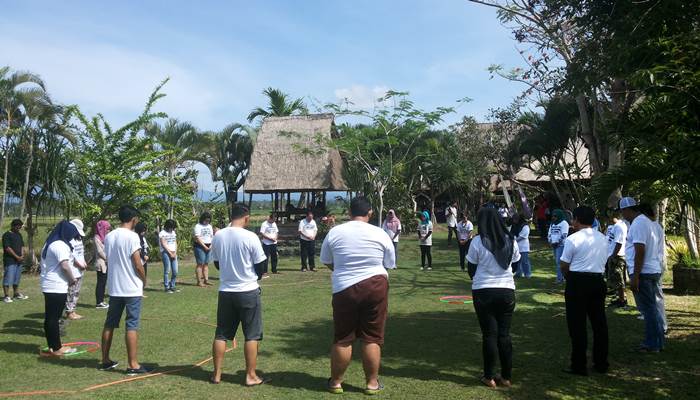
x: 107, y: 56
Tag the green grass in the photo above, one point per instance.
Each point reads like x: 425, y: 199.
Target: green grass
x: 432, y: 351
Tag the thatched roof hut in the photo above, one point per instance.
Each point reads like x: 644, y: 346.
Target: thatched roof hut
x: 287, y: 157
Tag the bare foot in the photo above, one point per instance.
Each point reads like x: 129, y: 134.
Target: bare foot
x: 64, y: 350
x: 74, y: 316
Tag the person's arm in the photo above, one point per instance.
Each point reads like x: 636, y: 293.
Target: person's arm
x: 566, y: 258
x: 11, y: 252
x: 100, y: 249
x: 471, y: 269
x: 259, y: 269
x: 564, y: 266
x: 639, y: 252
x: 616, y: 250
x: 164, y: 244
x: 138, y: 266
x: 68, y: 272
x: 327, y: 254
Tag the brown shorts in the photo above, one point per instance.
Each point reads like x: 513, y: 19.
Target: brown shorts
x: 360, y: 311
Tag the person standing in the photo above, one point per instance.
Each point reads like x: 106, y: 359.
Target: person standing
x: 203, y: 235
x: 239, y: 256
x: 358, y: 254
x: 451, y: 219
x: 425, y: 238
x: 56, y: 279
x: 392, y: 227
x: 13, y: 256
x: 541, y: 210
x: 307, y: 241
x: 583, y: 264
x: 520, y: 230
x: 558, y: 231
x: 464, y: 237
x: 269, y: 233
x: 616, y: 265
x: 644, y: 268
x: 167, y: 239
x: 102, y: 228
x: 78, y: 266
x: 490, y: 256
x: 647, y: 210
x: 125, y: 281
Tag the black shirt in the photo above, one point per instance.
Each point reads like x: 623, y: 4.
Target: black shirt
x: 13, y: 241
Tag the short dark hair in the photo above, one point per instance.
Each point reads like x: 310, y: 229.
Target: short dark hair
x: 648, y: 210
x: 140, y: 227
x: 360, y: 207
x: 127, y: 213
x: 169, y: 224
x: 584, y: 215
x: 204, y: 216
x: 273, y: 215
x: 16, y: 222
x: 309, y: 212
x: 239, y: 211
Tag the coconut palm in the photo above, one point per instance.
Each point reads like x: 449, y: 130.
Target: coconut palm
x: 279, y: 106
x: 17, y: 90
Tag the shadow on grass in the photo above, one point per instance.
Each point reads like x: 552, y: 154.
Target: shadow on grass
x: 29, y: 327
x: 19, y: 348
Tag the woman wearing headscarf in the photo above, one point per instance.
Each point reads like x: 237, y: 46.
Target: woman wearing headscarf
x: 392, y: 227
x: 425, y: 236
x: 101, y: 230
x: 558, y: 231
x: 520, y: 230
x: 490, y: 256
x: 56, y: 278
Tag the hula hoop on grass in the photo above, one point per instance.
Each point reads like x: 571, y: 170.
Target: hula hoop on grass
x: 86, y: 347
x: 456, y: 299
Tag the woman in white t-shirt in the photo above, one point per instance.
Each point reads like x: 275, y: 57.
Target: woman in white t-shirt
x: 520, y: 230
x: 203, y: 235
x: 392, y: 227
x: 56, y: 278
x: 168, y: 251
x: 425, y: 237
x: 490, y: 256
x: 558, y: 231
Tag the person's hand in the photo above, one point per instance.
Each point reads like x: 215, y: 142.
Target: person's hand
x: 145, y: 258
x: 19, y: 258
x: 635, y: 283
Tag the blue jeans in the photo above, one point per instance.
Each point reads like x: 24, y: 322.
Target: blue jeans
x: 13, y: 273
x: 557, y: 255
x: 647, y: 303
x: 169, y: 265
x: 525, y: 267
x: 201, y: 256
x: 117, y: 305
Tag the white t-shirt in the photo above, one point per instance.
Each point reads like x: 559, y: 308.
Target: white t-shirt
x: 170, y: 240
x: 464, y: 229
x: 558, y: 232
x: 643, y: 231
x: 53, y: 280
x: 78, y: 255
x: 661, y: 235
x: 586, y: 251
x: 523, y: 239
x: 122, y: 281
x: 357, y: 251
x: 392, y: 233
x: 424, y: 229
x: 617, y: 233
x: 488, y: 273
x: 203, y: 232
x: 237, y: 250
x: 308, y: 228
x: 270, y: 230
x: 451, y: 216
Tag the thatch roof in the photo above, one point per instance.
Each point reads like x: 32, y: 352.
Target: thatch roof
x: 287, y: 157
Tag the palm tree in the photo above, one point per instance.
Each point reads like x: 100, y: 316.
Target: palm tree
x: 17, y: 90
x: 279, y: 106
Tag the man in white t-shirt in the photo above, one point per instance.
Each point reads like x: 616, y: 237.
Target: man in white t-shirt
x: 464, y: 237
x: 583, y: 265
x: 644, y: 267
x: 615, y: 266
x: 451, y: 219
x: 359, y: 255
x: 203, y: 235
x: 125, y: 280
x: 647, y: 210
x: 79, y: 265
x: 268, y: 234
x: 307, y: 242
x: 239, y: 257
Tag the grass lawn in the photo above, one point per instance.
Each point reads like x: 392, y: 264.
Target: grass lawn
x: 432, y: 350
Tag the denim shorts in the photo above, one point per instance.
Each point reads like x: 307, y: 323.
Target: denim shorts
x: 201, y: 256
x: 13, y: 272
x: 117, y: 306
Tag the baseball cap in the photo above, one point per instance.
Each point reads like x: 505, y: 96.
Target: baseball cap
x: 79, y: 225
x: 626, y: 202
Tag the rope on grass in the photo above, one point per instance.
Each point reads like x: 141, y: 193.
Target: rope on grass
x: 456, y: 299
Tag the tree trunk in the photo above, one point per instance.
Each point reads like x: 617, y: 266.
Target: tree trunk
x: 25, y: 188
x: 380, y: 193
x: 30, y: 258
x: 690, y: 230
x: 588, y: 137
x: 661, y: 212
x: 7, y: 166
x: 553, y: 181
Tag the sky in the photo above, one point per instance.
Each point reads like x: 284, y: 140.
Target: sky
x: 107, y: 57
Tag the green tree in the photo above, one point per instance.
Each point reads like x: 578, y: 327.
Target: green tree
x: 279, y: 105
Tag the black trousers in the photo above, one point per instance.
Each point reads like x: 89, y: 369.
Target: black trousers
x: 308, y: 252
x: 100, y: 287
x: 54, y: 303
x: 450, y: 230
x: 494, y: 307
x: 425, y: 253
x: 463, y: 250
x: 585, y: 298
x: 271, y: 253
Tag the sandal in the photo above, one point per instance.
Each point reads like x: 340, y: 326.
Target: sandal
x: 372, y: 392
x: 333, y: 390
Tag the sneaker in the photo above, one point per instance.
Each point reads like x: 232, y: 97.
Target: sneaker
x: 169, y: 291
x: 102, y: 306
x: 422, y: 268
x: 430, y: 268
x: 303, y: 270
x: 20, y: 296
x: 7, y: 299
x: 141, y: 370
x: 107, y: 366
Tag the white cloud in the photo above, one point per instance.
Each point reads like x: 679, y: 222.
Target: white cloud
x: 362, y: 96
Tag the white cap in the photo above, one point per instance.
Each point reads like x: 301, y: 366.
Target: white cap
x: 78, y: 224
x: 626, y: 202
